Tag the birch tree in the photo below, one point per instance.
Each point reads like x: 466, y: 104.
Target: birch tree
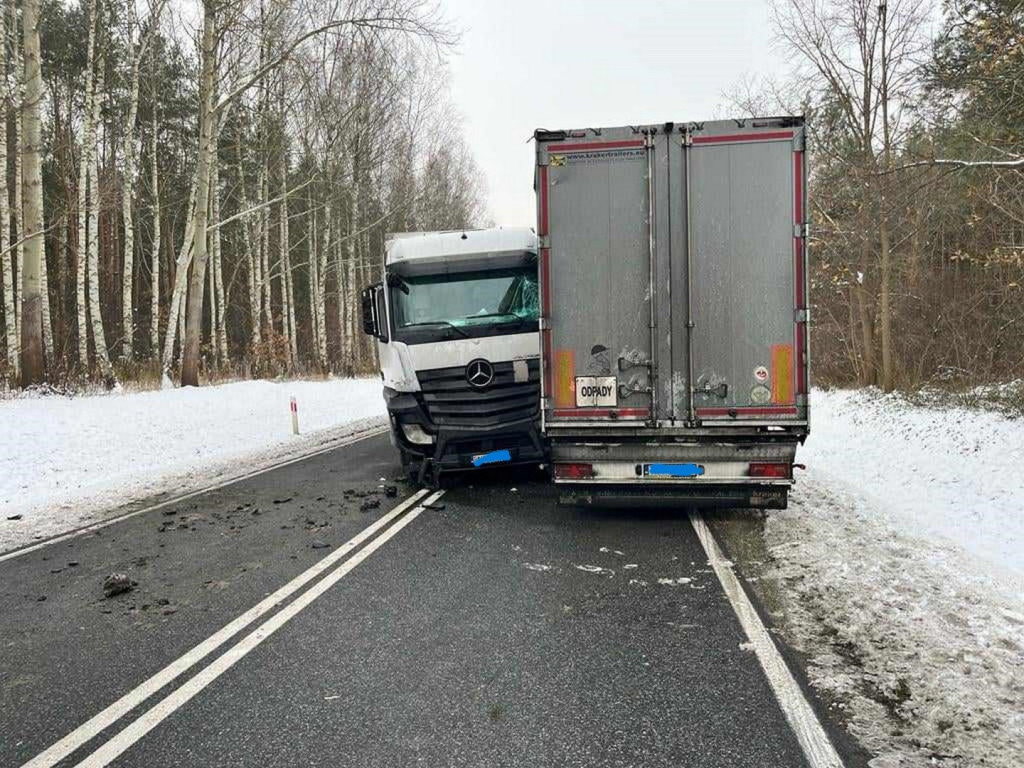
x: 99, y: 338
x: 7, y: 275
x: 207, y: 117
x: 33, y: 364
x: 136, y: 51
x: 18, y: 101
x: 154, y: 283
x: 84, y: 167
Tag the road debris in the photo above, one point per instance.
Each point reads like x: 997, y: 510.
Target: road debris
x: 117, y: 584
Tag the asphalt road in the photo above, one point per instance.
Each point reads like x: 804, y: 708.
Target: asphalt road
x: 496, y: 628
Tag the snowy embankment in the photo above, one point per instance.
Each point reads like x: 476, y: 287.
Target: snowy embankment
x: 902, y: 558
x: 66, y: 461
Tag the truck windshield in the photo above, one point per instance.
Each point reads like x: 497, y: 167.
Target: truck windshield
x: 467, y: 300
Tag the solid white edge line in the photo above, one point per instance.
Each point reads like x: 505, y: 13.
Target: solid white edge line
x: 349, y: 440
x: 809, y: 731
x: 99, y: 722
x: 146, y: 722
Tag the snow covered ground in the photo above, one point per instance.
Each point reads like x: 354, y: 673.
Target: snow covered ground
x: 65, y: 461
x: 902, y: 565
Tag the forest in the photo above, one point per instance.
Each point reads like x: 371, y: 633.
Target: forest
x: 916, y: 117
x: 200, y: 190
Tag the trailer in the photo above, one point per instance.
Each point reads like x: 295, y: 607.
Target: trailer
x: 674, y: 317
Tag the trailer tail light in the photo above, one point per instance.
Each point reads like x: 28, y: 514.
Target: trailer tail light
x: 574, y: 471
x: 770, y: 470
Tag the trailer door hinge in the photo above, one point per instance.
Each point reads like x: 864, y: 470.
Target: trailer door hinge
x: 802, y: 315
x: 545, y: 241
x: 800, y: 230
x: 543, y: 324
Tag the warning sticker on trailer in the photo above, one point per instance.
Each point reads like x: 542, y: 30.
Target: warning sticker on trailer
x: 596, y: 391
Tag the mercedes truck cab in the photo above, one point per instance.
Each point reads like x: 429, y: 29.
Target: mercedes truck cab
x: 456, y: 322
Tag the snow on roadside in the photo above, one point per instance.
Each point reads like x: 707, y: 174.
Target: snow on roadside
x: 902, y: 562
x: 64, y: 462
x: 939, y: 473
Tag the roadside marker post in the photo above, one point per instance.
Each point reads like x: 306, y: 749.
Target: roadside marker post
x: 295, y: 417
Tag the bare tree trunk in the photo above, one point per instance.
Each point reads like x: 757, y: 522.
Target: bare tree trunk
x: 182, y: 307
x: 252, y: 260
x: 221, y: 342
x: 867, y: 330
x: 7, y: 275
x: 207, y: 147
x: 154, y: 302
x: 314, y: 278
x: 350, y: 283
x: 339, y: 277
x: 884, y: 302
x: 211, y: 332
x: 47, y: 321
x: 85, y: 160
x: 128, y: 193
x: 321, y: 308
x: 33, y: 364
x: 99, y: 338
x: 287, y: 287
x: 19, y: 207
x: 174, y: 315
x: 268, y: 314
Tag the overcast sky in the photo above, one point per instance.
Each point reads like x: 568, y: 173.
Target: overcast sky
x: 525, y: 64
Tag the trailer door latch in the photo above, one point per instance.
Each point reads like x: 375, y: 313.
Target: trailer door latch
x: 720, y: 391
x: 628, y: 390
x: 625, y: 363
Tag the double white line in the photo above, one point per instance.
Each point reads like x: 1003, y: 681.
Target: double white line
x: 148, y: 720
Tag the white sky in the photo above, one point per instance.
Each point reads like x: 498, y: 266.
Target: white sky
x: 525, y: 64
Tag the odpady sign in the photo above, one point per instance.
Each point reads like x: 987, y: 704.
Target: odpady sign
x: 596, y: 391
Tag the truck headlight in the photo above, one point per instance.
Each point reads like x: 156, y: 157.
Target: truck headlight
x: 415, y: 434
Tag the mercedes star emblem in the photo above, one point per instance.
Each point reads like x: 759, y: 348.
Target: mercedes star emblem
x: 479, y: 374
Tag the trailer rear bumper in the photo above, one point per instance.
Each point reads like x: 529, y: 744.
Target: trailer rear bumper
x: 747, y: 473
x: 676, y: 496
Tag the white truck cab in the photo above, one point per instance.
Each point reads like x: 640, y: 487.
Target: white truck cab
x: 456, y: 322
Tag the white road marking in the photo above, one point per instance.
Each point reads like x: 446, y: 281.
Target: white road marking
x: 809, y: 732
x: 92, y: 727
x: 373, y: 432
x: 146, y: 722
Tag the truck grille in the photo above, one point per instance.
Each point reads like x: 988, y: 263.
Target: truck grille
x: 452, y: 402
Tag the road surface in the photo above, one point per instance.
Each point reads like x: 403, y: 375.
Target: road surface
x: 489, y: 628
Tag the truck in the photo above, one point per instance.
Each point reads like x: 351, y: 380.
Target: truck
x: 674, y: 315
x: 456, y: 322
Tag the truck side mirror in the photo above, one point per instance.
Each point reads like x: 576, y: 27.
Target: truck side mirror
x: 374, y: 317
x: 369, y: 296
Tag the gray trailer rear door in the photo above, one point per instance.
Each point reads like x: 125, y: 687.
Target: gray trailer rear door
x: 702, y: 222
x: 596, y: 295
x: 746, y: 235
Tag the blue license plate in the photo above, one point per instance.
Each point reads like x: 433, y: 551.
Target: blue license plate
x: 674, y: 470
x: 494, y: 457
